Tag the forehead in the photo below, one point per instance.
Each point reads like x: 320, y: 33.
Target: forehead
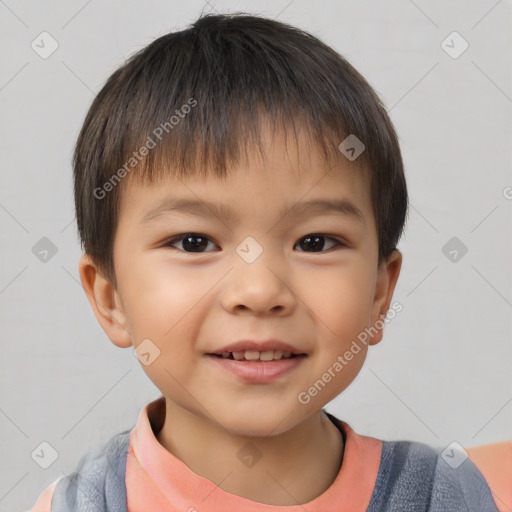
x: 286, y: 172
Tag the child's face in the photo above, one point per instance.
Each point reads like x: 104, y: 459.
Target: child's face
x: 313, y: 295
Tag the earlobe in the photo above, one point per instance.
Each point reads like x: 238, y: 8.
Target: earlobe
x: 387, y: 277
x: 105, y: 302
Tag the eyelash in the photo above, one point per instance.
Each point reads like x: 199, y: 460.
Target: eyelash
x: 179, y: 238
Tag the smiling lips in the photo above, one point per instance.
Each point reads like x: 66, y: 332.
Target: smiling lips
x: 258, y: 362
x: 255, y: 355
x: 258, y: 372
x: 249, y: 350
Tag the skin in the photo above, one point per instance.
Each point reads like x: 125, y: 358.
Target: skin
x: 192, y: 303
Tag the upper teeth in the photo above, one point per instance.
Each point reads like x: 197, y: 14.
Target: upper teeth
x: 254, y: 355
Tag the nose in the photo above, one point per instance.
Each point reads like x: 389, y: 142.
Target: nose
x: 260, y: 288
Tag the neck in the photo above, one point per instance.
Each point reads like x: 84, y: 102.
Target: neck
x: 284, y: 475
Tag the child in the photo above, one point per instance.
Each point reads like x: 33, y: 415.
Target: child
x: 240, y: 194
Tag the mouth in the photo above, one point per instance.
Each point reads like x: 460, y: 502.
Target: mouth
x: 258, y: 356
x: 254, y: 367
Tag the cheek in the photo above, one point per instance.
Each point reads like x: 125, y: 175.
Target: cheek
x: 167, y: 305
x: 161, y: 297
x: 341, y: 299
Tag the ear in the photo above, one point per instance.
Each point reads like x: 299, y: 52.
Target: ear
x: 105, y: 302
x: 387, y: 276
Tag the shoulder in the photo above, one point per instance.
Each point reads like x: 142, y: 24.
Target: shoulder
x: 100, y: 470
x: 416, y: 476
x: 494, y: 461
x: 458, y: 483
x: 98, y: 479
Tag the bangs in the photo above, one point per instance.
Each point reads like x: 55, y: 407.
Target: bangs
x: 198, y: 99
x: 194, y: 150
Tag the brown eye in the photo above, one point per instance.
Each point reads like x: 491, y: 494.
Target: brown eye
x: 316, y: 242
x: 192, y: 242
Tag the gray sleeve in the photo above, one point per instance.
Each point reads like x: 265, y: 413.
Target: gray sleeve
x: 461, y: 489
x: 413, y: 477
x: 98, y: 484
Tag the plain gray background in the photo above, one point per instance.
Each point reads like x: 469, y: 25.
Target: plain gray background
x: 442, y: 372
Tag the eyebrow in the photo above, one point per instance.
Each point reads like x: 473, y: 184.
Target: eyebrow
x: 225, y: 212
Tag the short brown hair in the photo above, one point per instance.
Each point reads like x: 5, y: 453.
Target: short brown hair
x: 235, y: 67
